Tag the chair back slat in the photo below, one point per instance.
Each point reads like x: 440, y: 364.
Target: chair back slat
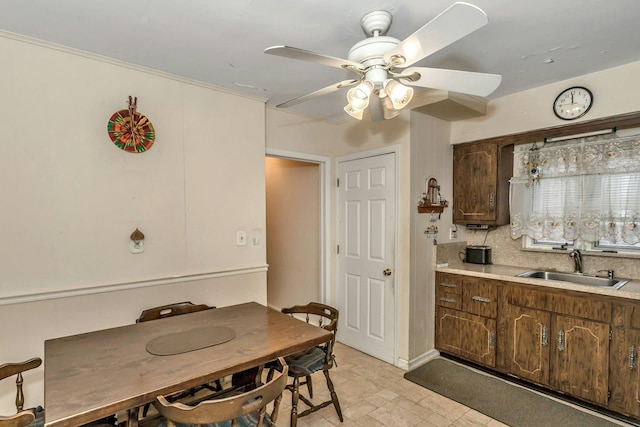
x: 230, y: 408
x: 170, y: 310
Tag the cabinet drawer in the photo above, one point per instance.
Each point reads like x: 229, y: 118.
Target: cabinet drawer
x: 480, y: 297
x: 449, y: 291
x: 448, y: 299
x: 449, y: 283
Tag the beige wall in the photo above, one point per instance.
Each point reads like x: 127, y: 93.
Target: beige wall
x: 431, y: 157
x: 615, y: 91
x: 293, y: 232
x: 71, y: 198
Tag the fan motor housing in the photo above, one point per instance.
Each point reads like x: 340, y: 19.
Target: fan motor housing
x: 370, y: 51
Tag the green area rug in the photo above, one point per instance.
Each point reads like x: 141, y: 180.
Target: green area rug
x: 507, y: 403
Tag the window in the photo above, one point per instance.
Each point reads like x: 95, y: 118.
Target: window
x: 584, y: 193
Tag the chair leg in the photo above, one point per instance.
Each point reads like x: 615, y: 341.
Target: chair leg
x: 310, y: 386
x: 295, y: 394
x: 334, y: 396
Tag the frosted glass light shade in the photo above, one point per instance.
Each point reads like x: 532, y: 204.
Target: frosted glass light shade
x: 358, y: 97
x: 399, y: 94
x: 354, y: 112
x: 387, y: 108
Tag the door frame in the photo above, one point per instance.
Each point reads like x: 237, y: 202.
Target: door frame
x: 324, y: 164
x: 392, y: 149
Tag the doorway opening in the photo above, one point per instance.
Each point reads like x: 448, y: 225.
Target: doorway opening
x: 295, y: 228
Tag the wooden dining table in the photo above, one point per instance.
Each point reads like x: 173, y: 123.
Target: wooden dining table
x: 97, y: 374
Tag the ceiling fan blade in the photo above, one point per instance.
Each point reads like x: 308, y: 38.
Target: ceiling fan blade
x: 479, y: 84
x: 459, y: 20
x: 305, y: 55
x: 334, y: 87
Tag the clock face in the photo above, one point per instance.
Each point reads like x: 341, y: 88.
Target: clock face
x: 573, y: 103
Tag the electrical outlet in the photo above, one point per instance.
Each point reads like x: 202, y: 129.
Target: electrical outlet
x: 453, y: 232
x: 241, y: 238
x: 256, y: 240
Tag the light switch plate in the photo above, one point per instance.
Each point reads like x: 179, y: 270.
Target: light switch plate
x: 137, y: 247
x: 241, y: 238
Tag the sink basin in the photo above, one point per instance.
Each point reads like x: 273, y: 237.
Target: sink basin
x: 577, y: 278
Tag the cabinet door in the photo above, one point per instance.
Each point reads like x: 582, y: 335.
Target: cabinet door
x: 475, y: 182
x: 581, y: 358
x: 624, y: 369
x: 466, y: 335
x: 526, y: 343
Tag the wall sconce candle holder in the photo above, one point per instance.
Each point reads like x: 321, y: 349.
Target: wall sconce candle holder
x: 431, y: 201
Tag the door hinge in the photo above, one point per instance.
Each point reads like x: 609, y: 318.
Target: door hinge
x: 608, y: 394
x: 338, y: 182
x: 338, y: 249
x: 610, y: 335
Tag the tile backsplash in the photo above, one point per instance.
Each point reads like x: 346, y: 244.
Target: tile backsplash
x: 507, y: 251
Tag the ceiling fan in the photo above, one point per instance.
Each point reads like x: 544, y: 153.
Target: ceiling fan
x: 384, y: 63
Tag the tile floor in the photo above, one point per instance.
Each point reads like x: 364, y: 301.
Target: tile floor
x: 374, y: 393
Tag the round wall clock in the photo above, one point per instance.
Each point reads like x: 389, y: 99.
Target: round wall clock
x: 573, y: 103
x: 130, y: 130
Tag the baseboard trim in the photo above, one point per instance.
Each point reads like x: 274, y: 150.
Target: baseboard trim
x: 410, y: 365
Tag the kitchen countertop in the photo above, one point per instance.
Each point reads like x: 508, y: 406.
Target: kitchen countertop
x: 631, y: 290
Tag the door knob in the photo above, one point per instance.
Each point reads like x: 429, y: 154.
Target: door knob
x: 387, y: 272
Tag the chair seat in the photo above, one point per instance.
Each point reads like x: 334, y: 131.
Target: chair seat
x: 306, y: 362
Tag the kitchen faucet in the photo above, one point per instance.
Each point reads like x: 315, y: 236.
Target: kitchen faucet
x: 577, y: 260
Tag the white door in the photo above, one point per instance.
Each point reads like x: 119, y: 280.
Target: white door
x: 366, y: 259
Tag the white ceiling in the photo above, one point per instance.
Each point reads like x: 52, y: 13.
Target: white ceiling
x: 530, y: 43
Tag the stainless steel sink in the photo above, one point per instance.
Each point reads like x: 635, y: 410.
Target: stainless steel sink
x: 580, y: 279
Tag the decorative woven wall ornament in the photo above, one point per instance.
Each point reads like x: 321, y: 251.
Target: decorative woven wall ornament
x: 130, y: 130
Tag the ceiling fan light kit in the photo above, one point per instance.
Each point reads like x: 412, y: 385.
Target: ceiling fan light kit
x: 381, y: 62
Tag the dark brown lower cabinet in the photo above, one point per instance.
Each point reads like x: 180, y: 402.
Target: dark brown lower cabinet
x: 466, y: 335
x: 624, y: 372
x: 526, y: 341
x: 580, y: 344
x: 580, y: 362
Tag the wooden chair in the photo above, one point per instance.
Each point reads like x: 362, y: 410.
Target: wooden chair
x: 245, y: 409
x: 305, y: 363
x: 171, y: 310
x: 22, y: 417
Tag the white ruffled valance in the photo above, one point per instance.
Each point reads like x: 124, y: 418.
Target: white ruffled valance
x: 586, y: 188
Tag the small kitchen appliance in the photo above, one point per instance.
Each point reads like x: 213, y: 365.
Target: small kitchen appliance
x: 476, y: 254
